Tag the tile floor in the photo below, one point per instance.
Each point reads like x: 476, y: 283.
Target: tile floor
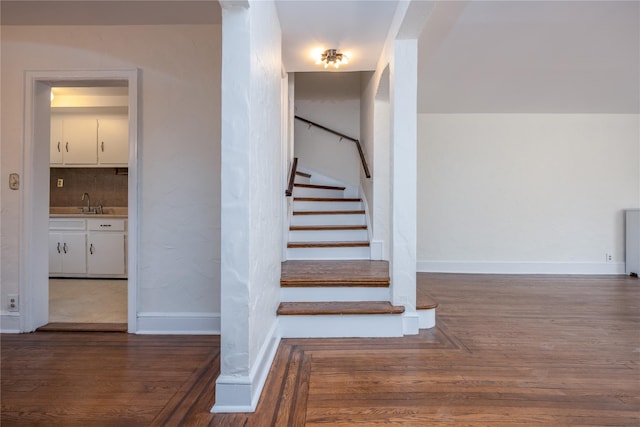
x: 87, y: 301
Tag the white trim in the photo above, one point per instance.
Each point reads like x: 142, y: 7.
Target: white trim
x: 242, y: 393
x: 520, y: 267
x: 427, y: 318
x: 341, y: 326
x: 410, y: 323
x: 377, y: 249
x: 10, y: 323
x: 153, y: 323
x: 30, y: 288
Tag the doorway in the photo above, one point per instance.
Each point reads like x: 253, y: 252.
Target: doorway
x: 38, y: 182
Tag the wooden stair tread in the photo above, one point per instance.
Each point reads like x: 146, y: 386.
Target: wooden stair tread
x: 321, y: 187
x: 325, y: 199
x: 306, y: 175
x: 327, y: 244
x: 424, y: 301
x: 341, y: 307
x: 354, y: 212
x: 83, y: 327
x: 326, y: 227
x: 348, y: 273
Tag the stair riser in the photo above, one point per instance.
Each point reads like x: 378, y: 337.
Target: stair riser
x: 427, y: 318
x: 329, y: 253
x: 316, y: 192
x: 326, y: 206
x: 340, y: 219
x: 334, y: 294
x: 341, y: 326
x: 329, y: 236
x: 302, y: 180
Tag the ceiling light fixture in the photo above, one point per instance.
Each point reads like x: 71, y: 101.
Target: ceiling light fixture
x: 332, y: 57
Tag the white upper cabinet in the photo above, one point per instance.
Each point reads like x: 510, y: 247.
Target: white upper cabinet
x: 80, y: 141
x: 113, y: 140
x: 57, y: 142
x: 89, y: 140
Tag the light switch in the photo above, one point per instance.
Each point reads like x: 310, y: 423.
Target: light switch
x: 60, y: 182
x: 14, y: 181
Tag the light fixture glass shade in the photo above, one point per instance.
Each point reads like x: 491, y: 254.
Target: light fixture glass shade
x: 333, y: 57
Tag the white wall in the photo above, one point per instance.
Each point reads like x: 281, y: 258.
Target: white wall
x: 331, y: 99
x: 525, y: 193
x: 252, y: 200
x: 179, y: 149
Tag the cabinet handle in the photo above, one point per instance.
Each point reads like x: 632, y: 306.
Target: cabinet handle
x: 105, y: 225
x: 91, y: 248
x: 102, y: 146
x: 59, y: 147
x: 64, y: 247
x: 66, y: 147
x: 58, y: 247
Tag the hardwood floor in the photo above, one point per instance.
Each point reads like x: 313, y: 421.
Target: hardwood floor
x: 507, y: 351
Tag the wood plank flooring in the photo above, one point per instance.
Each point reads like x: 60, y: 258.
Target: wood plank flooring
x: 507, y: 351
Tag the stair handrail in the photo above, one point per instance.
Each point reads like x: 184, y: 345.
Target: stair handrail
x: 342, y: 136
x: 294, y: 167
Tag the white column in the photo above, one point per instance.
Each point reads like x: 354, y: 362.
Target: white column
x: 404, y: 173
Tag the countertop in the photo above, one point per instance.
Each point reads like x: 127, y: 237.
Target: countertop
x: 74, y: 212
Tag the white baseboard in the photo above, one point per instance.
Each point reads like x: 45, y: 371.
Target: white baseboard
x: 242, y: 393
x: 489, y: 267
x: 10, y: 323
x: 178, y: 323
x: 410, y: 323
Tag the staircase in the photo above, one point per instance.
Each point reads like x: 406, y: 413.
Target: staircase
x: 324, y: 224
x: 346, y: 298
x: 329, y: 287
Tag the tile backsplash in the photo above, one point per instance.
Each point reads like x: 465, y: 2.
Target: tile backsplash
x: 104, y: 186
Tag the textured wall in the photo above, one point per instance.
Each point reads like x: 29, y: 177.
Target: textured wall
x: 179, y: 148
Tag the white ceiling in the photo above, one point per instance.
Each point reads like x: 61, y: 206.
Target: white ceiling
x: 531, y: 56
x: 474, y: 55
x: 359, y: 27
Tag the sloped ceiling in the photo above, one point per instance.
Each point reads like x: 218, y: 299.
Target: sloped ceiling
x: 475, y: 56
x: 531, y: 56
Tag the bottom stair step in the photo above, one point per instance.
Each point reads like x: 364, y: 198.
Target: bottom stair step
x: 339, y: 307
x: 328, y: 245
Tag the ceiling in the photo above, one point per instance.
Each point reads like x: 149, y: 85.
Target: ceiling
x: 475, y: 56
x: 531, y: 56
x: 358, y: 27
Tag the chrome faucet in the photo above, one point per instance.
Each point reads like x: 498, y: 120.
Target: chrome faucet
x: 88, y: 201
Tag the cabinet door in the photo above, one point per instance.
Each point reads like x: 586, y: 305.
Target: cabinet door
x: 80, y: 141
x: 56, y: 142
x: 113, y: 140
x: 74, y: 250
x: 55, y: 253
x: 106, y: 253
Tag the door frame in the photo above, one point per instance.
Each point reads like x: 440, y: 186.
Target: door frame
x: 34, y: 274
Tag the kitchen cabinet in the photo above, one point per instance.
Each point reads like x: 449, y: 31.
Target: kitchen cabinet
x: 113, y: 140
x: 73, y: 141
x: 95, y: 140
x: 106, y: 244
x: 93, y: 247
x: 67, y: 247
x: 57, y: 140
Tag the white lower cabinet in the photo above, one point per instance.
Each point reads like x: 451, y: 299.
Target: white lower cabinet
x: 67, y: 252
x: 81, y: 247
x: 106, y: 243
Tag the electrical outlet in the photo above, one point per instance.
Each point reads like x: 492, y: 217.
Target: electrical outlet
x: 14, y: 302
x: 60, y: 182
x: 608, y: 257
